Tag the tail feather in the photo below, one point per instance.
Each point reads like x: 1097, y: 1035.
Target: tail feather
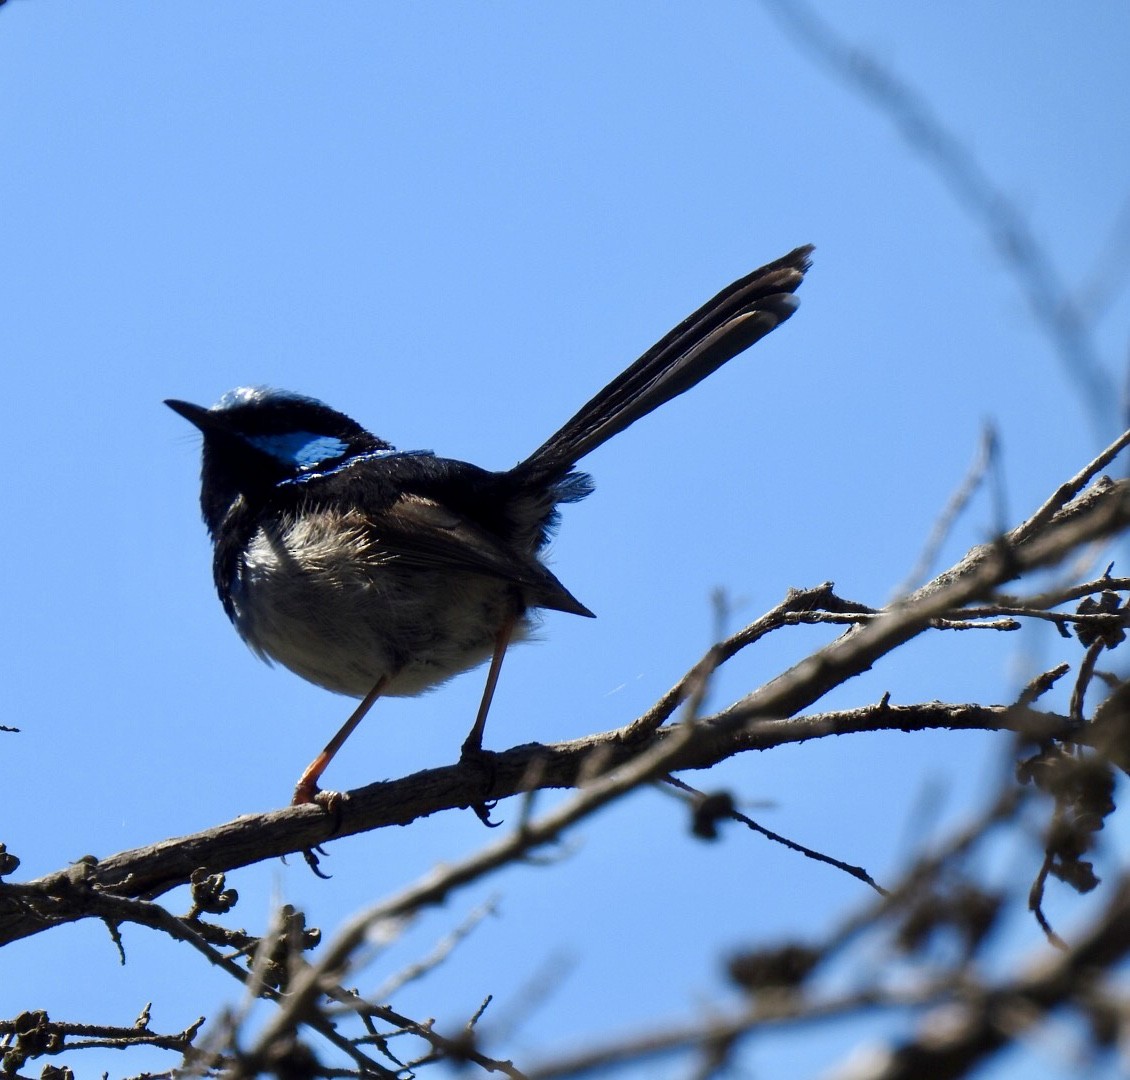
x: 723, y: 327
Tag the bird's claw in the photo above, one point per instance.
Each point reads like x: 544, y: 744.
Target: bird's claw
x: 482, y: 761
x: 483, y: 811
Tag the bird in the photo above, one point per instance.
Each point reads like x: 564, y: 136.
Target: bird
x: 377, y: 572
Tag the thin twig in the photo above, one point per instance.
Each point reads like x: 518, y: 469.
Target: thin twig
x: 954, y: 508
x: 1050, y: 303
x: 856, y: 872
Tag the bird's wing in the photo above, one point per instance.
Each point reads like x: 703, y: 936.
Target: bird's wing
x: 426, y: 512
x: 422, y: 533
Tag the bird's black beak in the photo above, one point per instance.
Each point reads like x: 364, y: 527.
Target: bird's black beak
x: 197, y: 415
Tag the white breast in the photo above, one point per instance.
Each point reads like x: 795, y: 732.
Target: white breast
x: 317, y: 597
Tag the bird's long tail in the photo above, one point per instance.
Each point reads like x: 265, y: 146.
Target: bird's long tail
x: 723, y: 327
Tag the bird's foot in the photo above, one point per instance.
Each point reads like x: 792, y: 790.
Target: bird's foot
x: 332, y: 802
x: 307, y: 791
x: 474, y: 757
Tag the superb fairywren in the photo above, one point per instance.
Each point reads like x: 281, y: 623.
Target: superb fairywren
x: 374, y: 571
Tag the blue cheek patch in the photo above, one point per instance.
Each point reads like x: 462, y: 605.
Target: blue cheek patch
x: 299, y: 448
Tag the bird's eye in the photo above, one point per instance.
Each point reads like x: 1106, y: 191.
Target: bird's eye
x: 299, y: 448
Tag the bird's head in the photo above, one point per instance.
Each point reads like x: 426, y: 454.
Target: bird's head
x: 256, y: 438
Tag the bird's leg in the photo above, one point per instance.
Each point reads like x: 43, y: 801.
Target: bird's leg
x: 473, y: 744
x: 472, y: 752
x: 306, y: 790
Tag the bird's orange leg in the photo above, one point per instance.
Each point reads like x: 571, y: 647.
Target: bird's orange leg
x: 306, y: 790
x: 473, y: 744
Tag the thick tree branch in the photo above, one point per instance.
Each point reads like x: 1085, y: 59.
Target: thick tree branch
x: 761, y: 720
x: 76, y: 892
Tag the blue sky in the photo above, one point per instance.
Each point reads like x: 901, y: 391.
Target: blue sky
x: 456, y: 222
